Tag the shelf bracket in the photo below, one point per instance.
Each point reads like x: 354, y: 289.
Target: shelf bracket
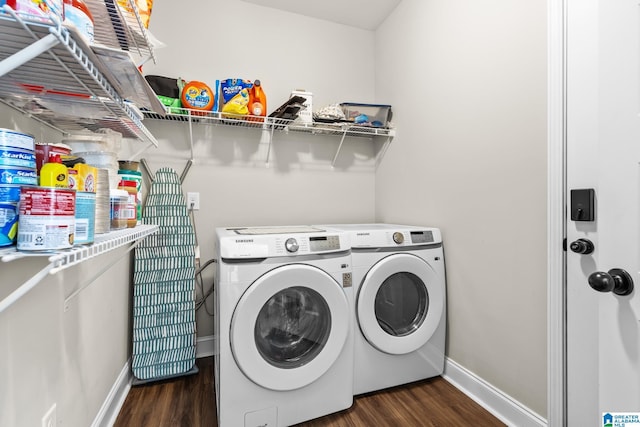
x: 98, y: 274
x: 25, y: 287
x: 383, y: 150
x: 28, y: 53
x: 67, y: 258
x: 142, y: 150
x: 269, y: 148
x: 344, y: 135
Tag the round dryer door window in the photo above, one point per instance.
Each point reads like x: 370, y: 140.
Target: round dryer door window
x: 400, y: 304
x: 289, y: 327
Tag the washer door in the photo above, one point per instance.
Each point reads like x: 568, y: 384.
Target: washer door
x: 400, y: 304
x: 289, y: 327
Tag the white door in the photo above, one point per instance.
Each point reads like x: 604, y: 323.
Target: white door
x: 290, y: 327
x: 400, y: 304
x: 603, y: 154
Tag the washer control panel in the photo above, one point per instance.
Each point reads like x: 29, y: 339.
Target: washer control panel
x: 234, y: 246
x: 324, y: 243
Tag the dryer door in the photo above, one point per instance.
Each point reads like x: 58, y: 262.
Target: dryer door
x: 289, y: 327
x: 400, y: 303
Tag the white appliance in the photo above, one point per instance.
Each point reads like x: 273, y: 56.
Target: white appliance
x: 399, y: 305
x: 283, y: 312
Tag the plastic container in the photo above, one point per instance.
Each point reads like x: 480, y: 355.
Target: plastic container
x: 35, y: 8
x: 129, y: 213
x: 128, y: 165
x: 376, y: 115
x: 197, y: 96
x: 257, y: 101
x: 135, y: 176
x: 118, y: 201
x: 54, y: 174
x: 46, y: 151
x: 88, y: 141
x: 77, y: 13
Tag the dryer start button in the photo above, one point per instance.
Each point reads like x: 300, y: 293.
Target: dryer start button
x: 398, y: 237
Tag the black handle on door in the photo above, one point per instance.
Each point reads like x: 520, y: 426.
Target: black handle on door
x: 616, y: 280
x: 582, y: 246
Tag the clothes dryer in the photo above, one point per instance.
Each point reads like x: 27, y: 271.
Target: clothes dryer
x: 282, y: 321
x: 399, y: 305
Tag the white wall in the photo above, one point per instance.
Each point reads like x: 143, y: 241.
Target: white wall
x: 71, y: 357
x: 286, y: 52
x: 467, y: 83
x: 49, y: 355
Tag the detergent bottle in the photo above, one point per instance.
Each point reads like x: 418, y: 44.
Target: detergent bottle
x: 257, y: 100
x: 54, y: 173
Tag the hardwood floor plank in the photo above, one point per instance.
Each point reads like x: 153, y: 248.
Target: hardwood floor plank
x: 190, y: 402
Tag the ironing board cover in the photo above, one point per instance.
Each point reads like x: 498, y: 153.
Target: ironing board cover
x: 164, y: 328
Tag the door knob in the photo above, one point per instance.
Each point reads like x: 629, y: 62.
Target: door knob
x: 582, y: 246
x: 616, y: 280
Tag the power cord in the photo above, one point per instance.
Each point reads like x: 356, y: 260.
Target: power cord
x: 199, y: 269
x: 203, y: 299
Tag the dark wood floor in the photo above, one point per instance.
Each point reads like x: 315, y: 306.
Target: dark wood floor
x: 190, y: 402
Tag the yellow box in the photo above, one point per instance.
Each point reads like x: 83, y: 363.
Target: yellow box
x: 82, y: 177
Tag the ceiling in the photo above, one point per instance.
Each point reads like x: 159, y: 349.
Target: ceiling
x: 365, y: 14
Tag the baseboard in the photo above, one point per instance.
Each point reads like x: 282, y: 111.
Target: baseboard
x: 115, y: 399
x: 205, y: 346
x: 501, y: 405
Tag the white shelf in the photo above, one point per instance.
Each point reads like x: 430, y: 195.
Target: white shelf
x: 117, y: 28
x: 271, y: 125
x: 52, y: 75
x: 68, y: 257
x: 60, y: 260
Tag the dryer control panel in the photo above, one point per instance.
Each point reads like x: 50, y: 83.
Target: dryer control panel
x: 394, y: 238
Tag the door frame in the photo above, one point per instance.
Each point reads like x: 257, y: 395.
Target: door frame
x: 556, y: 205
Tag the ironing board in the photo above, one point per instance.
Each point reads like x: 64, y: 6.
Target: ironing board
x: 164, y: 324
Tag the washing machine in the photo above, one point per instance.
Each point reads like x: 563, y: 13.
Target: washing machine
x: 399, y: 306
x: 283, y: 325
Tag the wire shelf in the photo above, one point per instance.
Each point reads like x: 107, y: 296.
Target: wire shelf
x: 269, y: 123
x: 53, y: 76
x: 120, y: 27
x: 66, y: 258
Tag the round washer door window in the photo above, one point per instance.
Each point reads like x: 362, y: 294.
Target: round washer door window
x: 289, y: 327
x: 400, y: 304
